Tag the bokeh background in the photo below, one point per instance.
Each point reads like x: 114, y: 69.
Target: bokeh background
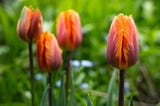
x: 92, y: 75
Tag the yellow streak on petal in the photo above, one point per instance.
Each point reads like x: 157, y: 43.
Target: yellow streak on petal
x: 68, y: 26
x: 71, y: 22
x: 122, y: 43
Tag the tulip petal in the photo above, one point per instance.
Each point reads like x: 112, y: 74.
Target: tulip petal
x: 48, y: 52
x: 36, y: 25
x: 29, y: 25
x: 61, y: 30
x: 24, y: 23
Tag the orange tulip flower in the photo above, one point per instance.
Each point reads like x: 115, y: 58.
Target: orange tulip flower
x: 122, y: 48
x: 69, y: 33
x: 48, y: 52
x: 29, y: 25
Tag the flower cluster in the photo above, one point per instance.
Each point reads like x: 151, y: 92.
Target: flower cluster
x: 69, y: 35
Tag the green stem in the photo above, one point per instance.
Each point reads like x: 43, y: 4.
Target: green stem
x: 67, y: 72
x: 31, y: 71
x: 121, y: 88
x: 50, y: 89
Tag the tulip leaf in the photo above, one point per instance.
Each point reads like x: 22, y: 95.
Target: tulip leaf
x: 71, y: 102
x: 62, y: 96
x: 130, y: 102
x: 44, y: 99
x: 89, y: 103
x: 111, y: 90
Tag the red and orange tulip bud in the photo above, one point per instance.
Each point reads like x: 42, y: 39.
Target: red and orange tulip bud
x: 122, y: 48
x: 29, y: 25
x: 49, y: 54
x: 69, y: 32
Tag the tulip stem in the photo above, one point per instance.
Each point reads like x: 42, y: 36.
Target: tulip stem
x: 67, y: 72
x: 121, y: 88
x: 50, y: 89
x: 31, y: 71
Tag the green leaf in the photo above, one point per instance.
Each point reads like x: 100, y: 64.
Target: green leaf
x: 111, y: 90
x: 62, y: 96
x: 44, y: 100
x: 158, y: 104
x: 130, y: 102
x: 87, y: 28
x: 14, y: 104
x: 80, y: 78
x: 89, y: 103
x: 71, y: 102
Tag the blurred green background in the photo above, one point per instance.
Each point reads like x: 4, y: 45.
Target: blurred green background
x: 91, y: 73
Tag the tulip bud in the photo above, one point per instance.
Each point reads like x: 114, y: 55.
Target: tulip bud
x: 48, y: 52
x: 29, y: 25
x: 122, y: 48
x: 69, y: 32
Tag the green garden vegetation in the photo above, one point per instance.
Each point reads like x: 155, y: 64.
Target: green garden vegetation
x: 93, y: 82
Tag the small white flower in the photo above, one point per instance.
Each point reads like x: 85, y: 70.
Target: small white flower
x: 58, y: 83
x: 86, y: 63
x: 27, y: 94
x: 75, y: 63
x: 84, y: 86
x: 38, y: 76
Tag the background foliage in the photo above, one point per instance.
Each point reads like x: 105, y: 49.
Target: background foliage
x: 95, y: 82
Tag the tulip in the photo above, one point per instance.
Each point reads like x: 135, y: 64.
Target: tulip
x: 49, y: 57
x: 29, y: 29
x: 29, y: 25
x: 69, y: 32
x: 122, y: 48
x: 69, y: 36
x: 48, y: 52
